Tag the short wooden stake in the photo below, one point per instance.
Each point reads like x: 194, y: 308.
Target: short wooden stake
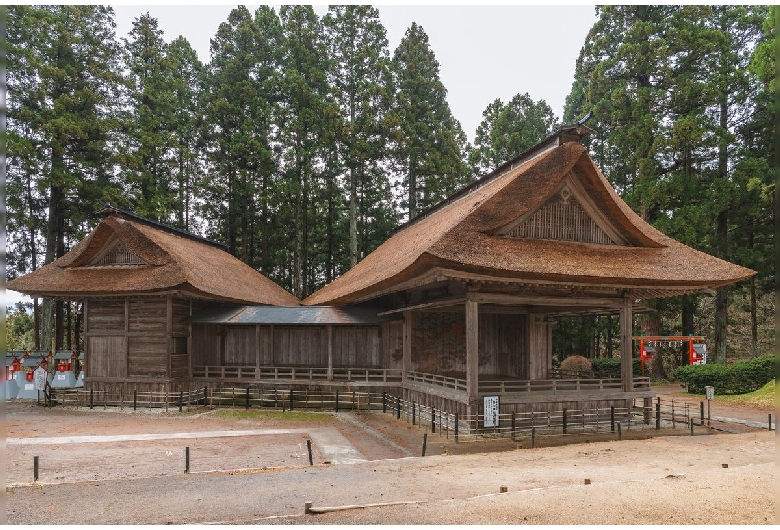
x: 35, y: 469
x: 205, y: 395
x: 533, y: 437
x: 414, y: 413
x: 311, y: 458
x: 384, y: 402
x: 307, y: 507
x: 502, y: 489
x: 691, y: 426
x: 91, y: 397
x: 425, y: 443
x: 398, y: 408
x: 456, y: 427
x: 620, y: 433
x: 187, y: 459
x: 181, y: 400
x: 564, y: 421
x: 291, y: 399
x: 658, y: 416
x: 701, y: 413
x: 587, y: 481
x: 135, y: 399
x: 724, y: 466
x: 247, y: 397
x: 770, y: 422
x: 337, y: 400
x: 433, y: 420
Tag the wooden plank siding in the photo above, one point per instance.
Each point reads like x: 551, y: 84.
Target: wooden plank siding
x: 300, y: 346
x: 357, y: 346
x: 137, y: 337
x: 439, y: 343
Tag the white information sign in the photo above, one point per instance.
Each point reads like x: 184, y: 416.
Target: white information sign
x: 40, y: 378
x: 710, y: 390
x: 491, y: 411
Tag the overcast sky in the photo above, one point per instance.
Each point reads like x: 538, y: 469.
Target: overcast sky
x: 484, y: 53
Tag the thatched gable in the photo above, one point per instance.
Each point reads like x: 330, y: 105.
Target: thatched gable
x: 508, y: 227
x: 126, y: 254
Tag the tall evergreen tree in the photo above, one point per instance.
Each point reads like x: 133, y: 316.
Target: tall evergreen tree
x: 242, y: 92
x: 63, y: 84
x: 508, y: 130
x: 429, y: 142
x: 359, y: 80
x: 149, y: 125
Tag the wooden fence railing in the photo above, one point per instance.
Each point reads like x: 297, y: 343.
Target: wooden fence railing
x: 296, y: 373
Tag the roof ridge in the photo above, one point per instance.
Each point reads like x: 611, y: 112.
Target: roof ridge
x: 573, y: 132
x: 108, y: 208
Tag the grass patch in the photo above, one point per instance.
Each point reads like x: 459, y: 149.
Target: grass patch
x: 763, y: 398
x: 272, y: 415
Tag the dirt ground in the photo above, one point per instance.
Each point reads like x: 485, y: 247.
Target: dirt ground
x: 252, y: 471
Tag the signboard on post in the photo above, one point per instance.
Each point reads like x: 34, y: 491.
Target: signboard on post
x: 710, y: 390
x: 39, y: 378
x: 491, y: 411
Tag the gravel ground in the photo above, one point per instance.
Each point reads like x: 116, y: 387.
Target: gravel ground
x: 267, y: 479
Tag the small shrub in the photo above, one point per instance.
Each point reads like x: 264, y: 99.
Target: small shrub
x: 578, y: 364
x: 610, y: 367
x: 740, y: 377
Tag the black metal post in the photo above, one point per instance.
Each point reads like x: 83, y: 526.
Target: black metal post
x: 135, y: 399
x: 247, y: 397
x: 425, y: 443
x: 205, y: 395
x: 658, y: 416
x: 337, y: 400
x: 612, y: 419
x: 291, y: 398
x: 564, y: 421
x: 91, y: 397
x: 384, y: 402
x: 691, y: 426
x: 398, y: 408
x: 533, y: 437
x: 701, y: 412
x: 181, y: 399
x: 311, y: 458
x: 414, y: 413
x: 770, y: 422
x: 433, y: 420
x: 187, y: 459
x: 620, y: 433
x: 35, y: 468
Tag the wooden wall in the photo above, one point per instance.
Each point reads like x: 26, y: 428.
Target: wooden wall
x: 439, y: 343
x: 139, y: 337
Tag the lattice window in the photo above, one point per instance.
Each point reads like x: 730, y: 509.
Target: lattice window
x: 562, y: 219
x: 119, y: 255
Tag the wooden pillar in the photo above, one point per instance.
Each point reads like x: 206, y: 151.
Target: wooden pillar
x: 472, y: 352
x: 189, y: 343
x: 258, y: 350
x: 169, y: 333
x: 407, y: 360
x: 329, y: 327
x: 626, y: 362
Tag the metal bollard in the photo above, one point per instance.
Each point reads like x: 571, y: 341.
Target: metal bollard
x: 91, y: 397
x: 425, y: 443
x: 456, y: 427
x: 187, y: 459
x: 533, y: 437
x: 311, y: 458
x: 414, y: 413
x: 433, y: 420
x: 398, y: 408
x: 181, y: 399
x: 337, y: 400
x: 658, y: 416
x: 612, y: 419
x: 135, y: 399
x: 770, y: 422
x: 620, y: 433
x: 564, y: 421
x: 691, y: 426
x: 701, y: 413
x: 35, y: 469
x: 513, y: 425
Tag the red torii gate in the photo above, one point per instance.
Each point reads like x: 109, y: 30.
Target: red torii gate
x: 694, y: 356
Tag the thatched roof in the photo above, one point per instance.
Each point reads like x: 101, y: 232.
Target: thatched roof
x: 484, y: 232
x: 127, y: 254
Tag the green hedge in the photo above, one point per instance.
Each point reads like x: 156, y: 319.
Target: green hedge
x: 611, y: 367
x: 740, y: 377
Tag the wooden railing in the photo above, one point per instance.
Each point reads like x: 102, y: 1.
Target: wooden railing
x: 385, y: 375
x: 437, y: 380
x: 297, y: 373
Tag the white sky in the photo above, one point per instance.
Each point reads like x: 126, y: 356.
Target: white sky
x: 484, y: 52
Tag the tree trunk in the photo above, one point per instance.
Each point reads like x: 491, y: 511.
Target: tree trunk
x: 688, y: 309
x: 753, y: 319
x: 352, y: 217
